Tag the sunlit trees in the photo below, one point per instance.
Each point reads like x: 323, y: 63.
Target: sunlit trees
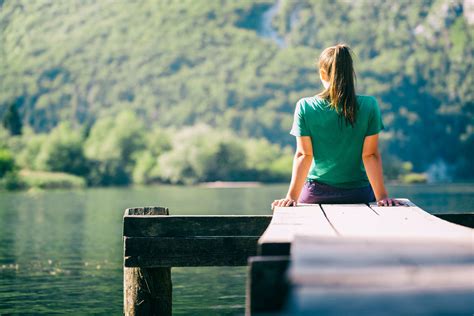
x: 8, y: 170
x: 7, y: 162
x: 201, y: 153
x: 112, y: 146
x: 32, y: 145
x: 61, y: 151
x: 147, y: 169
x: 181, y: 63
x: 269, y: 161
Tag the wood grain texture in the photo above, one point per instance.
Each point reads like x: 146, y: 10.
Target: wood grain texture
x: 222, y: 259
x: 147, y: 291
x: 189, y: 251
x: 147, y: 210
x: 401, y: 222
x: 287, y: 222
x: 411, y: 222
x: 187, y: 226
x: 355, y: 220
x: 373, y: 260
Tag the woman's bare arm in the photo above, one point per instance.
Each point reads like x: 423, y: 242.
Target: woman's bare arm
x: 301, y: 164
x: 373, y: 167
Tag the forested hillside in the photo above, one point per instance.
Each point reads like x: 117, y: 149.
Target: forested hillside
x: 242, y: 65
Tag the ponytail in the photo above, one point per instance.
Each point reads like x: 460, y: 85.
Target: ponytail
x: 336, y: 61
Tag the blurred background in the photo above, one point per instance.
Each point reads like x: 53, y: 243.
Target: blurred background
x: 151, y: 99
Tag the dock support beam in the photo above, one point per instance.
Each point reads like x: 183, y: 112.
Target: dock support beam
x: 267, y: 285
x: 148, y: 291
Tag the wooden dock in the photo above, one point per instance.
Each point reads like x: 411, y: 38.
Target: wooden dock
x: 364, y: 260
x: 308, y: 259
x: 155, y: 241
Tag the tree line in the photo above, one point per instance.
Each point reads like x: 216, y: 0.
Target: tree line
x: 122, y: 150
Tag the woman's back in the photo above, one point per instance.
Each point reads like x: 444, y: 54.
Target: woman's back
x: 337, y: 158
x: 337, y: 145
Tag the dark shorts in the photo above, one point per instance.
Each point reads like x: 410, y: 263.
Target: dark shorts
x: 315, y: 192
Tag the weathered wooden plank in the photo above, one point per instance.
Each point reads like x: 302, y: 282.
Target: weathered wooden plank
x: 290, y: 221
x: 401, y: 222
x: 170, y: 246
x: 338, y: 276
x: 401, y: 277
x: 342, y: 252
x: 267, y: 285
x: 223, y: 259
x: 178, y: 250
x: 184, y: 226
x: 354, y: 220
x: 411, y: 222
x: 464, y: 219
x: 384, y: 254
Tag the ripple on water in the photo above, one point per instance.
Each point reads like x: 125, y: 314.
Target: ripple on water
x: 61, y: 251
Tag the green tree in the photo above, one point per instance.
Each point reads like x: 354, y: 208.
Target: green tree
x: 62, y: 151
x: 7, y: 162
x: 9, y: 179
x: 112, y: 146
x: 270, y: 161
x: 12, y: 121
x: 201, y: 153
x: 28, y: 156
x: 225, y: 161
x: 146, y: 169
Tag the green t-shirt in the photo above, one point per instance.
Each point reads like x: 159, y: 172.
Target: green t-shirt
x: 337, y: 147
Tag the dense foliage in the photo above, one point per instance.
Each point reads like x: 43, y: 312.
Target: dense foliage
x: 230, y: 65
x: 12, y: 121
x: 119, y: 151
x: 7, y: 163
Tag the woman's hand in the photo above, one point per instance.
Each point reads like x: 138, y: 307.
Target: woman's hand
x: 283, y: 202
x: 390, y: 202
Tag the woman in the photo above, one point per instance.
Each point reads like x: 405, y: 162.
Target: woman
x: 337, y: 141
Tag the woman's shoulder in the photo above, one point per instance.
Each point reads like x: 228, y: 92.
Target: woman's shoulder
x: 367, y: 102
x: 312, y: 102
x: 307, y: 100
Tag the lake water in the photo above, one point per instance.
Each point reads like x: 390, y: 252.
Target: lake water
x: 61, y: 251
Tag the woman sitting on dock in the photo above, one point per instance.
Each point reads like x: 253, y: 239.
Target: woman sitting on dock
x: 337, y: 140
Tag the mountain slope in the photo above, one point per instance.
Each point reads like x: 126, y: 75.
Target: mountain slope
x: 178, y: 63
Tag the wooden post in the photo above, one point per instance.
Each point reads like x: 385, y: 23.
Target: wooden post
x: 155, y: 241
x: 267, y: 285
x: 147, y: 291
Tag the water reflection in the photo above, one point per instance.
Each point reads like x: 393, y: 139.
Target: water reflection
x: 61, y: 251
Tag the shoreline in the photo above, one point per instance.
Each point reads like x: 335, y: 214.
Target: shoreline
x: 217, y: 185
x: 232, y: 184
